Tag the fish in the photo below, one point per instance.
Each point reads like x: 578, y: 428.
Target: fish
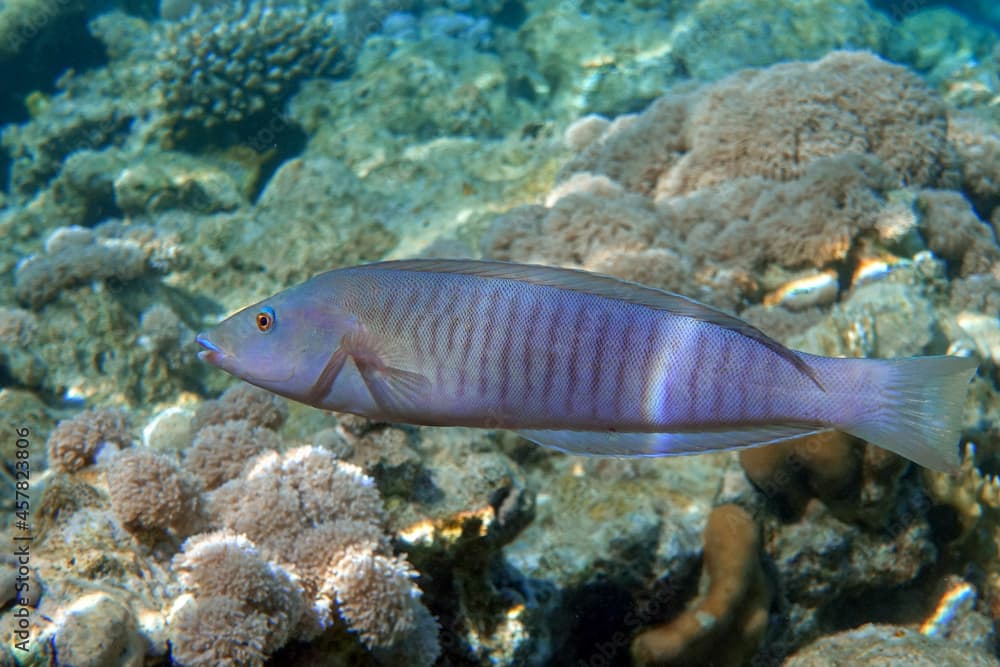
x: 579, y: 362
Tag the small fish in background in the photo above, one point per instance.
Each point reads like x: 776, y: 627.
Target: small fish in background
x: 579, y: 362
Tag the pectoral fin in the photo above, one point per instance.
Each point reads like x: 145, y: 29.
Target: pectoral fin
x: 394, y: 389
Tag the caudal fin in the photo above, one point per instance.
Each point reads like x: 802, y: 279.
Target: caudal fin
x: 920, y: 409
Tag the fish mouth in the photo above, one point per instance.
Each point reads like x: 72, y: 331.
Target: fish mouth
x: 212, y: 353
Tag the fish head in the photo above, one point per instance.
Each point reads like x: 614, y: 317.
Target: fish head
x: 279, y: 343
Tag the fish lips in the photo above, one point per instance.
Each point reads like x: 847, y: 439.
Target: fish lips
x: 212, y: 353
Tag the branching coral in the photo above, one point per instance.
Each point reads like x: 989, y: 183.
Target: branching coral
x: 970, y: 493
x: 75, y: 442
x: 726, y: 624
x: 223, y: 64
x: 974, y: 498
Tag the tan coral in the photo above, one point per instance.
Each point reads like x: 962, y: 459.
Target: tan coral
x: 246, y: 402
x: 954, y: 232
x: 968, y: 492
x: 774, y: 122
x: 307, y: 511
x: 218, y: 631
x: 220, y: 451
x: 855, y: 480
x: 726, y: 624
x: 976, y: 141
x: 794, y: 471
x: 75, y: 442
x: 226, y: 565
x: 149, y: 492
x: 975, y: 499
x: 375, y: 594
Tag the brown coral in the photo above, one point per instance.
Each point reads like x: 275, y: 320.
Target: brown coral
x: 218, y: 631
x: 574, y: 229
x: 308, y: 512
x: 811, y: 221
x: 221, y: 451
x: 726, y: 624
x: 952, y: 231
x: 150, y: 493
x: 75, y: 442
x: 634, y: 150
x: 243, y: 401
x: 978, y: 147
x: 362, y: 576
x: 278, y: 497
x: 855, y: 480
x: 791, y: 166
x: 774, y: 122
x: 228, y: 566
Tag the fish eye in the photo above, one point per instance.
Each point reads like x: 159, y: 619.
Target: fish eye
x: 265, y: 319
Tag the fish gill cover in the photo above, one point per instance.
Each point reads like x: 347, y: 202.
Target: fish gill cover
x: 828, y: 171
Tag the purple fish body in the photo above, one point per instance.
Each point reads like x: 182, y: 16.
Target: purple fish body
x: 580, y: 362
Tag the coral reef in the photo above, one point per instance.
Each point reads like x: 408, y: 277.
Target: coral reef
x: 978, y: 148
x: 719, y: 36
x: 221, y: 451
x: 239, y: 607
x: 726, y: 624
x: 857, y: 481
x: 321, y: 518
x: 75, y: 442
x: 709, y: 186
x: 739, y: 127
x: 255, y: 407
x: 952, y: 231
x: 230, y: 61
x: 889, y: 645
x: 973, y: 499
x: 303, y: 546
x: 149, y: 493
x: 218, y: 152
x: 76, y: 255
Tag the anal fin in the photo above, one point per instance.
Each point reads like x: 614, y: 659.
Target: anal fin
x: 604, y: 443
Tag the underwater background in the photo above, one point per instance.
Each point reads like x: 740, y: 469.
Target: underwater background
x: 829, y: 171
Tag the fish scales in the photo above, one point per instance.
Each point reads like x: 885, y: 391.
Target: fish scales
x: 581, y: 326
x: 575, y: 361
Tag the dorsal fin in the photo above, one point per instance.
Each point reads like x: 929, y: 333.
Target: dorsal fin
x: 603, y: 286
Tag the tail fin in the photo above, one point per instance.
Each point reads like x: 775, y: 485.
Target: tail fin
x: 921, y: 403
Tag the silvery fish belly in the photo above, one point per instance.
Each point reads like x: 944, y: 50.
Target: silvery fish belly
x: 580, y: 362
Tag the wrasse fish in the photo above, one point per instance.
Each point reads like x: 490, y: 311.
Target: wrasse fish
x: 583, y: 363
